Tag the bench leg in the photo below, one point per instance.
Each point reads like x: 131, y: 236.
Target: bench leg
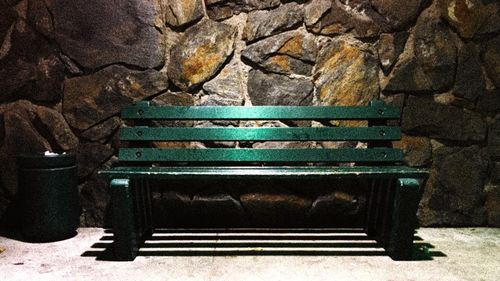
x: 125, y: 244
x: 404, y: 220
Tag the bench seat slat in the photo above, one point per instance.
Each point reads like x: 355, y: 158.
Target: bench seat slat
x: 376, y: 111
x: 260, y: 134
x: 269, y: 171
x: 260, y: 155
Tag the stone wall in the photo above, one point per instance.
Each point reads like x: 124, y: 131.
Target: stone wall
x: 66, y: 68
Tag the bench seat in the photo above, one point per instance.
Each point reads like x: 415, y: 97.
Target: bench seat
x: 134, y: 172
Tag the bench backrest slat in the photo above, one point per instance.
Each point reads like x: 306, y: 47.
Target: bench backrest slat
x: 260, y: 134
x: 377, y: 111
x: 260, y: 155
x: 376, y: 134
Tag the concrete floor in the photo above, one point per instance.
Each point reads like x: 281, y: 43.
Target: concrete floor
x: 457, y: 254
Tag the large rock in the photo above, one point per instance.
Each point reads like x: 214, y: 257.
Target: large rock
x: 417, y: 150
x: 227, y: 88
x: 90, y: 156
x: 428, y: 63
x: 276, y: 210
x: 88, y: 100
x: 396, y: 16
x: 102, y: 131
x: 200, y: 53
x: 180, y: 13
x: 97, y: 33
x: 346, y: 74
x: 423, y: 116
x: 494, y: 139
x: 274, y: 89
x: 492, y: 205
x: 470, y: 82
x: 491, y: 58
x: 340, y: 16
x: 389, y: 47
x: 265, y: 23
x: 219, y: 210
x: 38, y: 16
x: 29, y: 128
x: 338, y: 209
x: 29, y: 66
x: 7, y: 18
x: 223, y: 9
x: 291, y: 52
x: 455, y: 190
x: 466, y: 16
x: 95, y: 202
x: 489, y: 102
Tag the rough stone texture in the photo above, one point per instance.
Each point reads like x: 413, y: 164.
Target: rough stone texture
x: 357, y: 17
x: 97, y: 33
x: 102, y: 131
x: 274, y: 89
x: 287, y: 53
x: 470, y: 82
x: 29, y: 67
x: 227, y: 88
x: 87, y: 59
x: 250, y: 5
x: 265, y: 209
x: 285, y: 144
x: 219, y: 12
x: 178, y: 13
x: 398, y: 13
x: 338, y: 208
x: 425, y: 117
x: 389, y: 47
x: 492, y: 205
x: 467, y: 16
x: 88, y: 100
x: 171, y: 208
x: 52, y: 125
x: 222, y: 9
x: 90, y: 156
x: 265, y: 23
x: 494, y: 139
x: 455, y: 190
x: 314, y: 10
x: 429, y: 61
x: 220, y: 210
x: 38, y: 16
x: 95, y: 202
x: 346, y: 74
x: 489, y: 102
x: 200, y: 53
x: 418, y: 150
x: 29, y: 128
x: 7, y: 18
x: 491, y: 58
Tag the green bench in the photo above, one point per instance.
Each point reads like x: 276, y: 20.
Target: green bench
x: 394, y: 193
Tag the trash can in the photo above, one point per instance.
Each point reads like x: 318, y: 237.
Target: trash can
x: 49, y: 196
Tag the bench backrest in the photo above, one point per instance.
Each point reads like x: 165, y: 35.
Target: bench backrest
x: 376, y: 134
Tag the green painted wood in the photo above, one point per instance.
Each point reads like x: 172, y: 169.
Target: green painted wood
x: 376, y: 111
x: 267, y: 171
x: 260, y: 155
x: 260, y: 134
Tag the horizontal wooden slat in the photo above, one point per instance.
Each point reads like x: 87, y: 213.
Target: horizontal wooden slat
x: 260, y: 134
x: 376, y: 111
x: 269, y: 171
x: 260, y: 155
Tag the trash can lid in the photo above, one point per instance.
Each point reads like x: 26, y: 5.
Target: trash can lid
x: 41, y: 160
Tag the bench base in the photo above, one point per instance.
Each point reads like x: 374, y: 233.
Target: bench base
x: 391, y: 213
